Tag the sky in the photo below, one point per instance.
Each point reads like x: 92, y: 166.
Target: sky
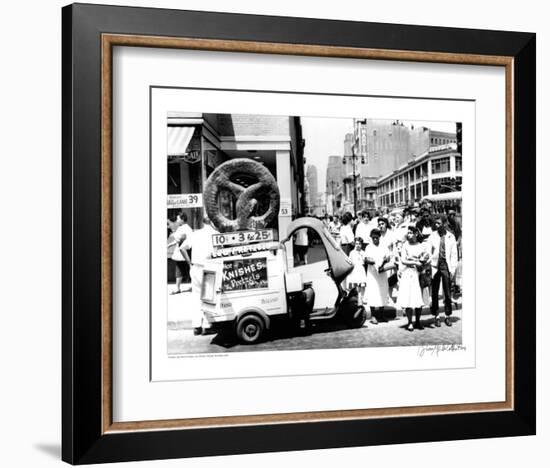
x: 325, y: 137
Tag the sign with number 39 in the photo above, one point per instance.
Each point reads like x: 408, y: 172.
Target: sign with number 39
x: 185, y: 200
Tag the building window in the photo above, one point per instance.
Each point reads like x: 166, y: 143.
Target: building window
x: 441, y: 165
x: 425, y: 188
x: 446, y: 185
x: 458, y: 184
x: 458, y: 163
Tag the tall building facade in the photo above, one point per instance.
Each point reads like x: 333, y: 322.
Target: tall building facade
x: 387, y: 145
x: 426, y: 162
x: 334, y: 185
x: 312, y: 180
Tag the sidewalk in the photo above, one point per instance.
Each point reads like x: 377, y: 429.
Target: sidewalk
x: 179, y: 309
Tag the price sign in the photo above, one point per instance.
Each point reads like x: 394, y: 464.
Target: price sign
x: 185, y: 200
x: 242, y: 237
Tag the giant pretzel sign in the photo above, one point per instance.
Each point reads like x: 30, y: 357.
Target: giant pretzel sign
x: 247, y: 198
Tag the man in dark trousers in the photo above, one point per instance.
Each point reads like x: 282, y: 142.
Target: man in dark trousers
x: 456, y: 228
x: 444, y: 260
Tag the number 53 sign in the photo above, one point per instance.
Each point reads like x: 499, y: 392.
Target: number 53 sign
x: 286, y: 208
x: 185, y: 200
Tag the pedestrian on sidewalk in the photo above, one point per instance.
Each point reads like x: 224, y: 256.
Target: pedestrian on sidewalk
x: 363, y: 227
x: 301, y: 246
x: 181, y: 254
x: 346, y: 233
x: 377, y: 282
x: 413, y: 257
x: 425, y: 223
x: 455, y: 227
x: 444, y: 260
x: 387, y: 241
x: 358, y: 276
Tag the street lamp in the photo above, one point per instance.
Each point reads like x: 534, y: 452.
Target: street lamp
x: 355, y: 158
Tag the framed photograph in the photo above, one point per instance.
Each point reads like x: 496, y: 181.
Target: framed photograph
x: 292, y: 234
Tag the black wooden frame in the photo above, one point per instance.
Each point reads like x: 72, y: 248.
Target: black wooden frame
x: 83, y: 442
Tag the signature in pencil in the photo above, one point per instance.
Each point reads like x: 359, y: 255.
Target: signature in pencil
x: 435, y: 350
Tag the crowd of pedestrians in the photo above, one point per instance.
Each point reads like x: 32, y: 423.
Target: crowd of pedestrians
x: 402, y: 259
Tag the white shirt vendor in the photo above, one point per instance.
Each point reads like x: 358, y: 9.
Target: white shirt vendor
x: 201, y: 244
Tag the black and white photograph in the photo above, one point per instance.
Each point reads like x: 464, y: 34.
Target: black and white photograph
x: 275, y: 233
x: 293, y: 233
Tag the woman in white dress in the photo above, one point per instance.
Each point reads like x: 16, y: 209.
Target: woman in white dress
x: 377, y: 282
x: 413, y: 257
x: 358, y: 276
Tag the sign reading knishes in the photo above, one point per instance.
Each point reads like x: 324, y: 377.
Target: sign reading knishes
x: 185, y: 200
x: 242, y: 237
x: 243, y: 274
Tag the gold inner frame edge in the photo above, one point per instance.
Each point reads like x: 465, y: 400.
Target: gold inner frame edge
x: 108, y: 41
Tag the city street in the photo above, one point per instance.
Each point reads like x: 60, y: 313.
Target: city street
x: 324, y: 334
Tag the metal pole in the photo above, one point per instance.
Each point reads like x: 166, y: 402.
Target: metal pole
x: 353, y: 158
x: 333, y: 199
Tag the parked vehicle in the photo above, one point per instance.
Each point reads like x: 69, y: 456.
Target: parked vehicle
x: 247, y: 288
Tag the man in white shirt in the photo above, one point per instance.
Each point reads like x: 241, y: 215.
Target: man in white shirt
x: 444, y: 260
x: 301, y: 246
x: 201, y: 245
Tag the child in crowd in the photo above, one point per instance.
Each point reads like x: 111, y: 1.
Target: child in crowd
x: 358, y: 277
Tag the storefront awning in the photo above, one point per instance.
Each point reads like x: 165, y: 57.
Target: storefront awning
x: 178, y: 140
